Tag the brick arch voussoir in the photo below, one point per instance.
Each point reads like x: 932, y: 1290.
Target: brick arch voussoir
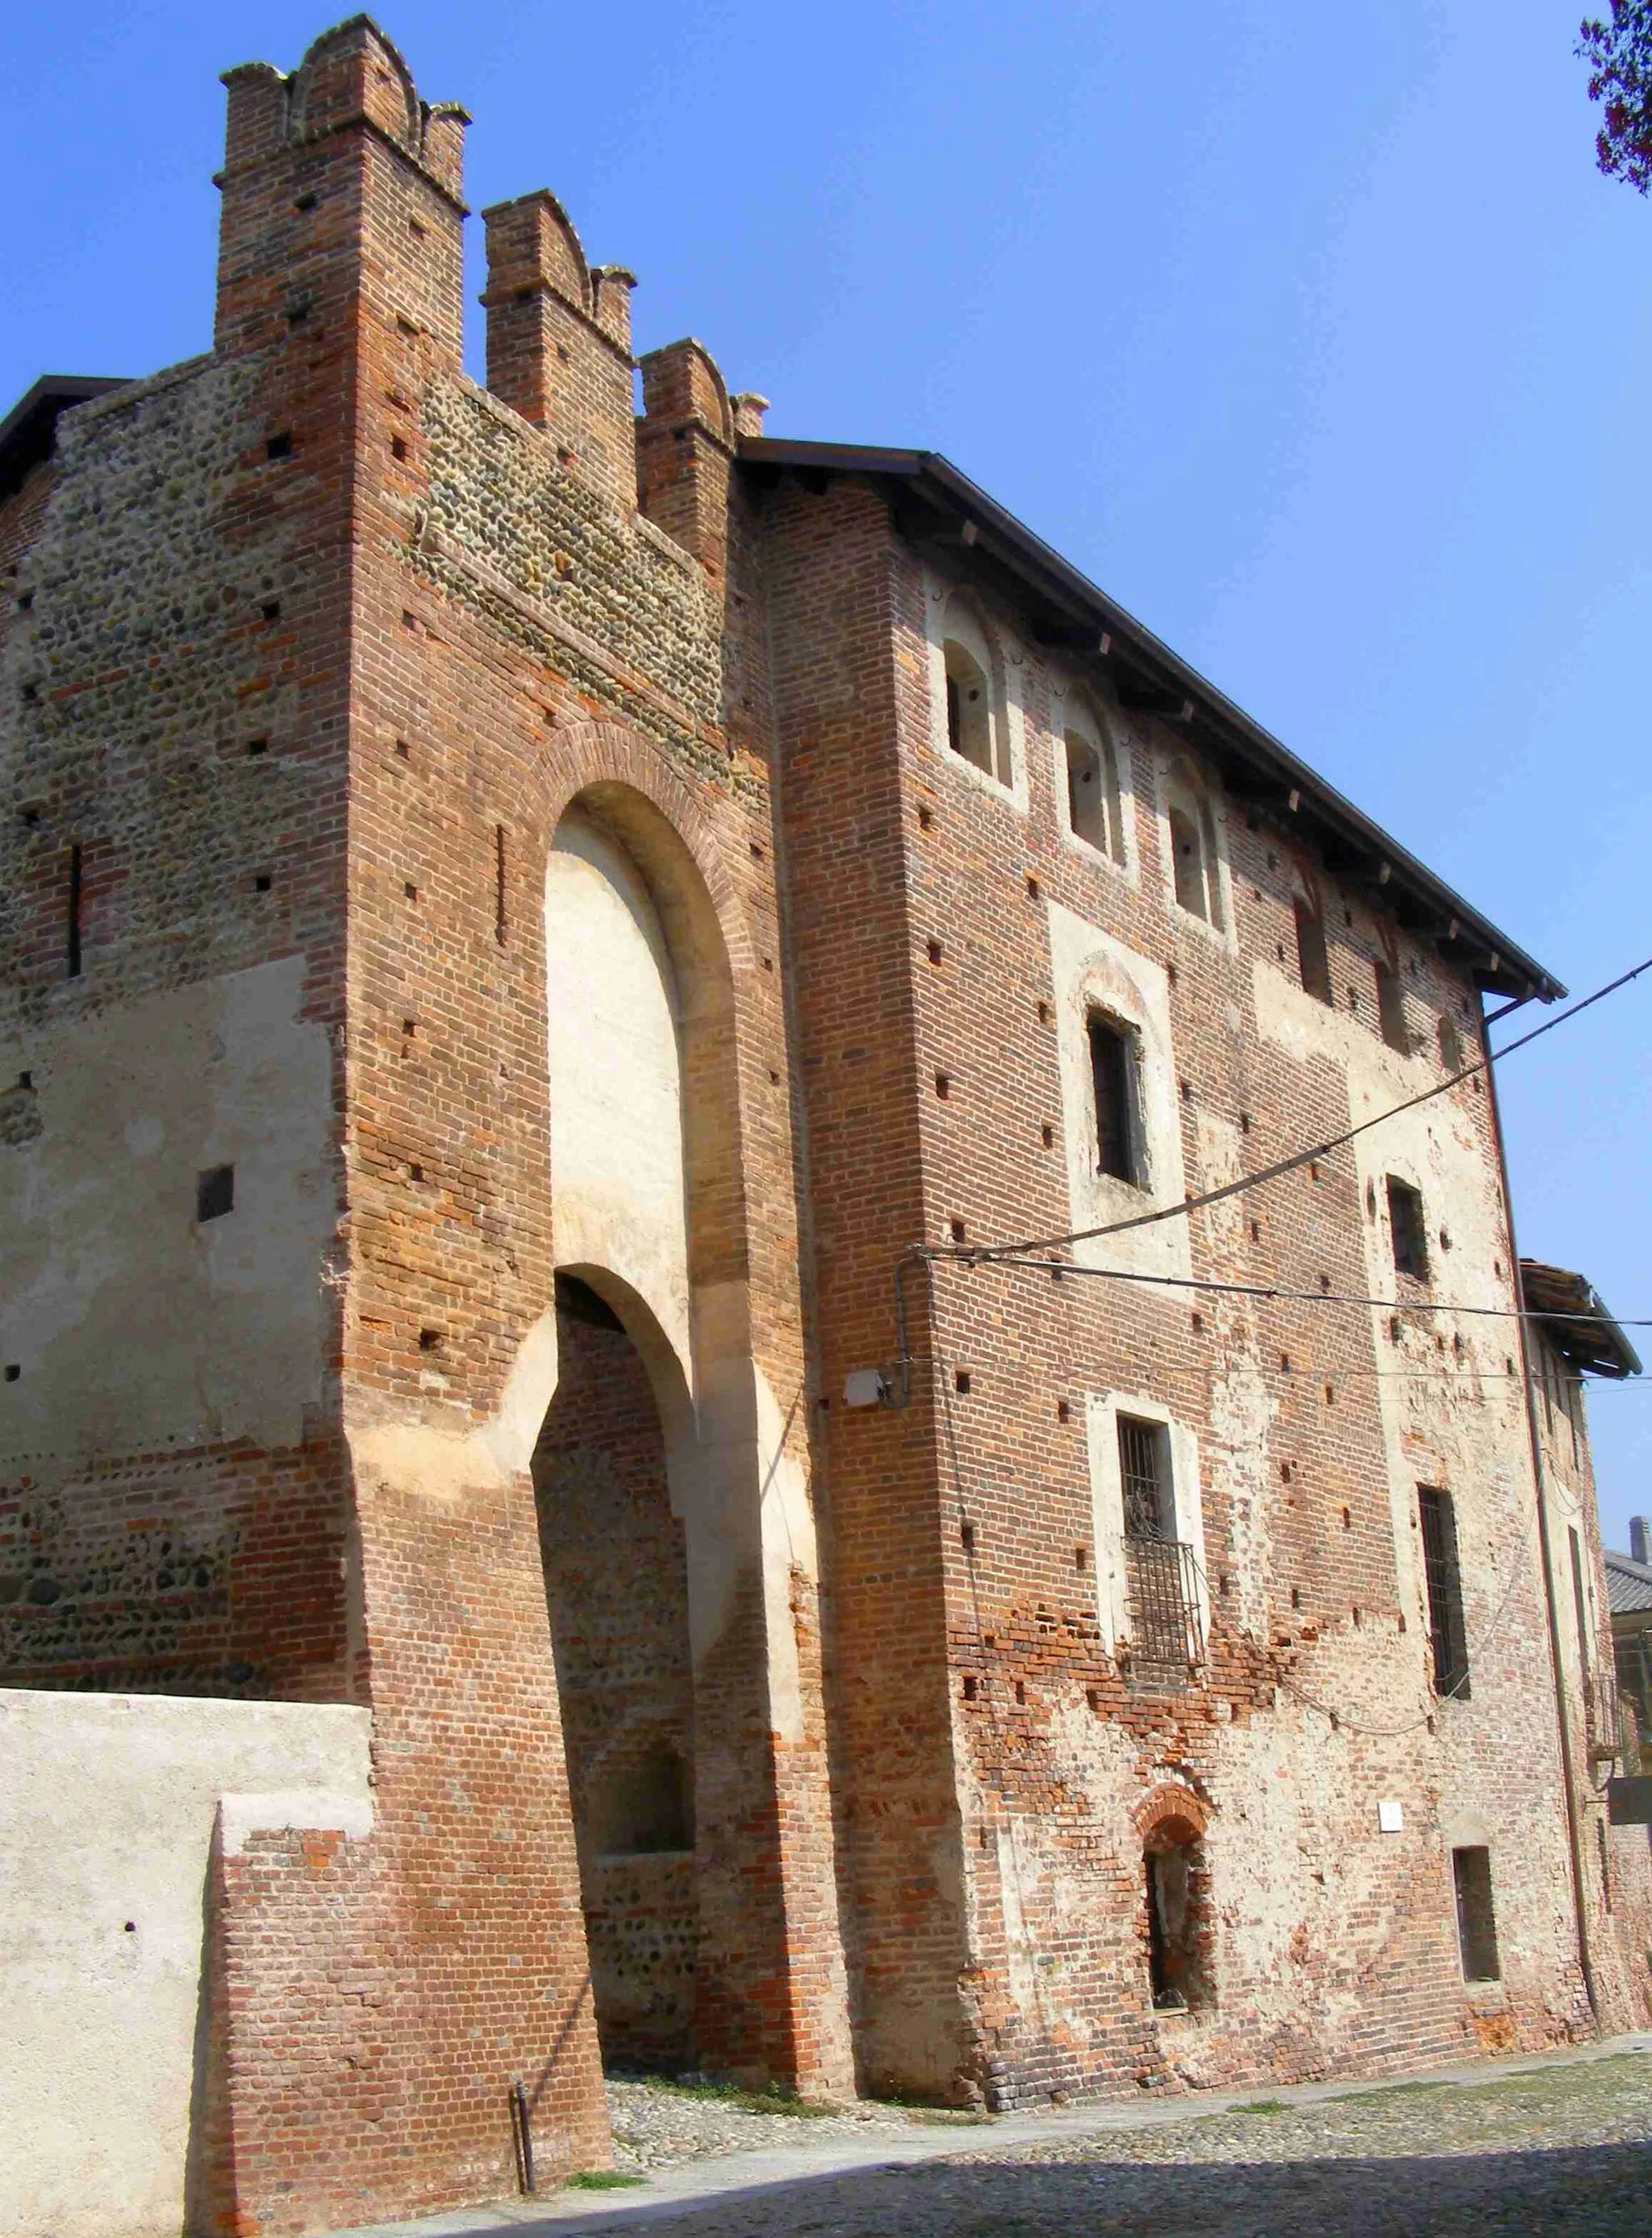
x: 576, y: 756
x: 1171, y: 1803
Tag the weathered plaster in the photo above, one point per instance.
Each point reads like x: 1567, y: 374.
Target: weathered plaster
x: 134, y: 1326
x: 107, y: 1806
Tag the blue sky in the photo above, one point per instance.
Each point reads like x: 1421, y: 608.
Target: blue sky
x: 1311, y: 333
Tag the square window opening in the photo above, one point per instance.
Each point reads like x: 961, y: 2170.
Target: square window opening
x: 215, y: 1192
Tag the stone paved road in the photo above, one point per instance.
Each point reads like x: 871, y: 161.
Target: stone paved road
x: 1567, y: 2148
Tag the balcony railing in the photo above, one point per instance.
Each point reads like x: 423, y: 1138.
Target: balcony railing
x: 1167, y: 1634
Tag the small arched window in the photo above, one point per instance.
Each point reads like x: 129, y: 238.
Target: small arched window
x: 1193, y: 848
x: 975, y: 727
x: 1093, y: 812
x: 1178, y: 1921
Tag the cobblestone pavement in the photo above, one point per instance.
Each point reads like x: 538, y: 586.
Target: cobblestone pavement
x: 1566, y: 2148
x: 655, y: 2128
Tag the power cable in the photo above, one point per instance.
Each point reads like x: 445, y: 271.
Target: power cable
x: 1316, y: 1150
x: 965, y: 1255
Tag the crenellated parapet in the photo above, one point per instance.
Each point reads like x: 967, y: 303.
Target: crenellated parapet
x: 339, y: 183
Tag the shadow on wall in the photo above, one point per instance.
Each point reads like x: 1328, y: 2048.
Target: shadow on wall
x: 1604, y: 2191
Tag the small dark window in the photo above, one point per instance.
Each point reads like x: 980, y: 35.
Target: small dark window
x: 971, y: 732
x: 1476, y: 1926
x: 1113, y: 1076
x: 1144, y: 1479
x: 1390, y: 1008
x: 1313, y: 960
x: 215, y: 1192
x: 279, y: 447
x: 72, y: 942
x: 1178, y: 1903
x: 648, y: 1810
x: 1407, y: 1228
x: 1442, y: 1579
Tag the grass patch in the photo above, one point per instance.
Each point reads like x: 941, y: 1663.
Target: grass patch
x: 602, y: 2179
x: 1263, y: 2106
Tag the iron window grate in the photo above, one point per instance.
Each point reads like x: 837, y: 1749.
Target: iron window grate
x: 1443, y: 1578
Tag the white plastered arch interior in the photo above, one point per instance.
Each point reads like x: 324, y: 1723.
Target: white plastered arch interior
x: 646, y: 1140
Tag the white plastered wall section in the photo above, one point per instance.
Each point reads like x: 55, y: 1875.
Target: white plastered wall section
x: 133, y: 1326
x: 107, y: 1808
x: 620, y: 1200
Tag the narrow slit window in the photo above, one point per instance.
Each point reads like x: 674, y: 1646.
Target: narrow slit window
x: 72, y: 956
x: 1313, y: 961
x: 1187, y: 855
x: 1476, y: 1924
x: 1390, y: 1008
x: 1443, y: 1581
x: 499, y: 925
x: 1407, y: 1228
x: 1113, y: 1075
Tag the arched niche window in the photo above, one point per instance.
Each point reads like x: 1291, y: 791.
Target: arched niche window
x: 1192, y: 846
x: 1093, y: 809
x: 977, y: 730
x: 1178, y: 1923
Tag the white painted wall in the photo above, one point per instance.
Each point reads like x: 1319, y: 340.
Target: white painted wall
x: 106, y: 1805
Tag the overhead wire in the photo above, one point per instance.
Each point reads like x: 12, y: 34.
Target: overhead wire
x: 1302, y: 1157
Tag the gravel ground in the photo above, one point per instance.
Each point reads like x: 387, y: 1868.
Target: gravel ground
x: 661, y: 2125
x: 1564, y: 2149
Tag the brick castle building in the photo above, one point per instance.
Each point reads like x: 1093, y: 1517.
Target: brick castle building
x: 543, y: 947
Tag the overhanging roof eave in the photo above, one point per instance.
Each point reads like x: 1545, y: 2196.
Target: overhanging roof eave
x: 1507, y: 968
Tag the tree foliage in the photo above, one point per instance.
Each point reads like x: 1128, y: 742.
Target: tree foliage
x: 1620, y: 77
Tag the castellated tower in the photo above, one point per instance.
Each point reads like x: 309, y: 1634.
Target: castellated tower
x: 351, y: 708
x: 538, y: 942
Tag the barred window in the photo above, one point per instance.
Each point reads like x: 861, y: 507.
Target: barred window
x: 1144, y: 1475
x: 1442, y: 1579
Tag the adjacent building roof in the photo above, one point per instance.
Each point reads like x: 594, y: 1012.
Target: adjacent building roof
x: 1581, y: 1329
x: 1628, y: 1585
x: 28, y: 430
x: 943, y: 514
